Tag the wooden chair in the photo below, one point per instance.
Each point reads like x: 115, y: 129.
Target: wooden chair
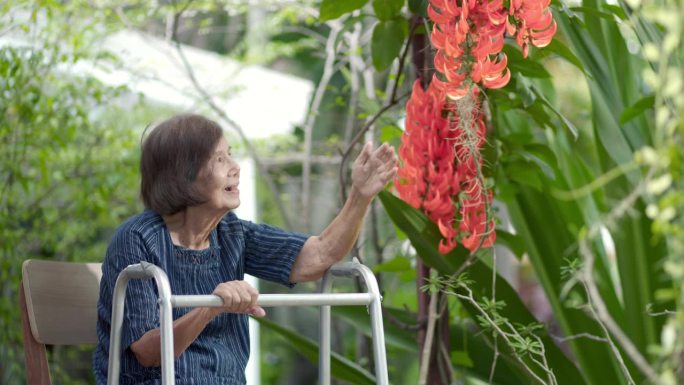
x: 58, y: 307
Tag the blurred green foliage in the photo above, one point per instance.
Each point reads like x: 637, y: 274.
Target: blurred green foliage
x: 68, y: 171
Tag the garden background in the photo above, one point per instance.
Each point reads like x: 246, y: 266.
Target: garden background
x: 581, y: 148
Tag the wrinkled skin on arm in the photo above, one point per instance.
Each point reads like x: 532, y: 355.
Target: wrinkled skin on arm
x: 371, y: 172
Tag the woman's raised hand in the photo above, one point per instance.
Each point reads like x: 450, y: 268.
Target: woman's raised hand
x: 373, y: 169
x: 238, y: 297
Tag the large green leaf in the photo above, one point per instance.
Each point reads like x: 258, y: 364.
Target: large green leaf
x: 558, y: 47
x: 340, y: 367
x: 419, y: 229
x: 394, y: 336
x: 386, y: 42
x: 639, y: 260
x: 637, y: 109
x: 565, y: 122
x: 544, y: 228
x: 585, y: 211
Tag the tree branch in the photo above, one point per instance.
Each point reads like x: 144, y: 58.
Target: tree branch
x: 354, y: 69
x: 331, y: 53
x: 429, y: 336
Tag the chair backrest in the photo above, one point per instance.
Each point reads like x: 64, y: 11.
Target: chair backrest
x: 59, y: 307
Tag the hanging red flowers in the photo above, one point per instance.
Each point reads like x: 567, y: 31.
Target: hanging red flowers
x: 534, y: 23
x: 469, y: 36
x: 441, y: 171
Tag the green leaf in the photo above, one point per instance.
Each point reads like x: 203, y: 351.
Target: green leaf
x: 526, y: 95
x: 387, y: 9
x: 559, y: 48
x: 461, y: 358
x: 564, y: 121
x: 332, y: 9
x: 639, y: 253
x: 637, y: 109
x: 390, y: 133
x: 388, y: 38
x: 512, y: 242
x: 394, y: 265
x: 543, y: 157
x: 542, y: 152
x: 505, y: 191
x: 419, y: 229
x: 340, y: 366
x: 539, y: 114
x: 527, y: 67
x: 524, y: 172
x: 616, y: 10
x: 408, y: 276
x: 395, y: 337
x: 594, y: 12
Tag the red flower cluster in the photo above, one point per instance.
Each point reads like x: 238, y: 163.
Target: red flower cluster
x: 439, y: 173
x: 469, y: 36
x: 534, y: 23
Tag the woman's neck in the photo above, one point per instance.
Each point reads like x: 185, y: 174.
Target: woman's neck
x: 192, y: 227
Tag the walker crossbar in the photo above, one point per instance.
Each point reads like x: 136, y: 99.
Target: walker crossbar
x: 167, y: 301
x: 275, y: 300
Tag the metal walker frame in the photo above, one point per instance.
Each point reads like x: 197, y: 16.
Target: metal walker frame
x: 324, y: 299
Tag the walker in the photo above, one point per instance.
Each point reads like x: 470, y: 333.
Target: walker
x: 324, y: 299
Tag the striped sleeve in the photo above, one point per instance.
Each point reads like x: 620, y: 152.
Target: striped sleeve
x: 270, y: 252
x: 141, y: 312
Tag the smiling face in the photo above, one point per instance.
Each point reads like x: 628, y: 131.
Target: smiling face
x: 219, y: 178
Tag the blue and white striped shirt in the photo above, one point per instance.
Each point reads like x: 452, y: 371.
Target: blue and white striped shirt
x: 219, y: 354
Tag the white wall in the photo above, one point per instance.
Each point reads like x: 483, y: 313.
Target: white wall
x: 248, y: 211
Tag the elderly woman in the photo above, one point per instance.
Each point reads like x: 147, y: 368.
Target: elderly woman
x: 189, y: 187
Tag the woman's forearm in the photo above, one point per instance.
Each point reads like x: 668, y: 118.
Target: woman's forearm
x: 338, y: 238
x: 370, y: 174
x: 147, y: 349
x: 322, y: 251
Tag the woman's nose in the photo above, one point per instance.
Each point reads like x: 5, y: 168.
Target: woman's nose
x: 234, y: 169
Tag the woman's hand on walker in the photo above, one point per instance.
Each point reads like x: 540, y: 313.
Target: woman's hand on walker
x: 238, y: 297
